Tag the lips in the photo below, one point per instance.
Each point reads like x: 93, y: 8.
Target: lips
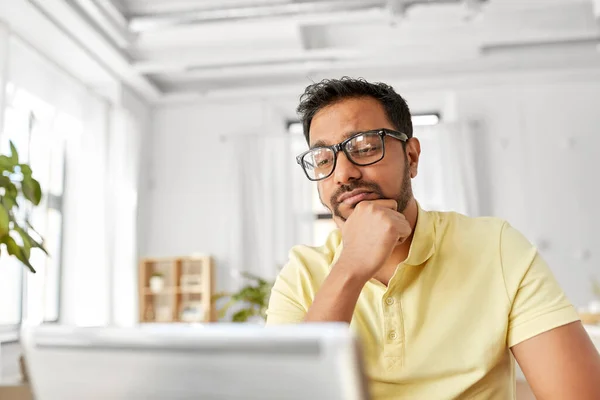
x: 356, y: 196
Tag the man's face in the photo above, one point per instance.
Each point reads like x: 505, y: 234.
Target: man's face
x: 387, y: 179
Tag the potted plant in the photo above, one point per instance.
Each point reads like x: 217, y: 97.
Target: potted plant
x: 251, y: 300
x: 19, y: 193
x: 157, y: 282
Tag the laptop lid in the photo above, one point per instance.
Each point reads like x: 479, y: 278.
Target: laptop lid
x: 208, y: 362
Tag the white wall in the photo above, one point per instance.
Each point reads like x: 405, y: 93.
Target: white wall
x: 185, y: 202
x: 541, y: 142
x: 534, y: 179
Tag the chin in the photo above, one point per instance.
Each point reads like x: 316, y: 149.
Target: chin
x: 346, y: 212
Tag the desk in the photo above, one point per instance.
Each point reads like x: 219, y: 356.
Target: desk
x: 17, y: 391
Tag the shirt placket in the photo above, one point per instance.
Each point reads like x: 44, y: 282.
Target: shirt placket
x: 393, y: 330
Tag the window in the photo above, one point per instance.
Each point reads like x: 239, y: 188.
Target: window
x: 323, y: 223
x: 38, y: 131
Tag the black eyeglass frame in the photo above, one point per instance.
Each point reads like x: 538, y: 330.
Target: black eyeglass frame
x: 336, y: 148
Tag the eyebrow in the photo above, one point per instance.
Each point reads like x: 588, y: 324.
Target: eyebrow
x: 323, y: 143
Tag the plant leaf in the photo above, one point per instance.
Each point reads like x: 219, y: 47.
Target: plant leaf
x: 31, y: 227
x: 9, y: 202
x: 14, y: 155
x: 5, y: 181
x: 15, y: 250
x: 219, y: 296
x: 25, y: 170
x: 252, y: 277
x: 242, y: 315
x: 32, y: 190
x: 223, y: 310
x: 4, y: 221
x: 6, y: 163
x: 28, y: 240
x: 25, y: 259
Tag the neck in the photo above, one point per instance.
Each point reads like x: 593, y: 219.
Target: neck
x: 400, y: 252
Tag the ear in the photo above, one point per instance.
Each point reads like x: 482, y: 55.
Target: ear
x: 413, y: 152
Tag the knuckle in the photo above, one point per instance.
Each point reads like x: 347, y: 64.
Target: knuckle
x: 388, y: 227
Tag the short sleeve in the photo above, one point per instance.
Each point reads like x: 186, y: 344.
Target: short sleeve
x: 285, y: 305
x: 538, y: 304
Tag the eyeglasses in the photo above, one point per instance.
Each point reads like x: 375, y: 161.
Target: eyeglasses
x: 364, y: 148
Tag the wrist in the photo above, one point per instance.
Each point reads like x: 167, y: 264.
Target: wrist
x: 350, y: 273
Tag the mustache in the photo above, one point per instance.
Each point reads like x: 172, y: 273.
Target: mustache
x: 370, y: 186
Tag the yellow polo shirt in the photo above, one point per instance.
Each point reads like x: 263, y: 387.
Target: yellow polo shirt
x: 442, y: 329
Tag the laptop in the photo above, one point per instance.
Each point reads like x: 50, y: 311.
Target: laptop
x: 204, y: 362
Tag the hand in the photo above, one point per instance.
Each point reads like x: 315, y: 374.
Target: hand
x: 370, y: 234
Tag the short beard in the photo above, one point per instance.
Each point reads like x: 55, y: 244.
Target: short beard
x: 402, y: 198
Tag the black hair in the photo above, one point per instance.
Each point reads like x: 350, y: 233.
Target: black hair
x: 329, y: 91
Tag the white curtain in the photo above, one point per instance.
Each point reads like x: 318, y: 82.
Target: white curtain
x: 83, y: 123
x: 99, y: 207
x: 122, y: 200
x: 85, y: 290
x: 271, y: 204
x: 447, y: 175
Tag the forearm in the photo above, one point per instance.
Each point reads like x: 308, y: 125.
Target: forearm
x: 337, y: 298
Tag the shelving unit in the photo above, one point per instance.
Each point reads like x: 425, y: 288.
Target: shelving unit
x: 181, y: 294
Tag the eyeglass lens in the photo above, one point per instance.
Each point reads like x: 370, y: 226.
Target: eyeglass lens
x: 363, y: 149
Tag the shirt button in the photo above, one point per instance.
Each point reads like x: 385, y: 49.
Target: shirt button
x: 389, y: 301
x: 393, y: 335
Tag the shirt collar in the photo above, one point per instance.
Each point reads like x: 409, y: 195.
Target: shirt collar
x: 423, y: 242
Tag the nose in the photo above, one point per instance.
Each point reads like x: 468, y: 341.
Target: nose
x: 345, y: 171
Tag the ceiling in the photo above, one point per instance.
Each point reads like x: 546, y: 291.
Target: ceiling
x: 195, y: 47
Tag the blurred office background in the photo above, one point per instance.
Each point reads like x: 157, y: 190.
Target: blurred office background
x: 167, y: 128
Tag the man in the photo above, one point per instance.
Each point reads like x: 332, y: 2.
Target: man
x: 442, y: 302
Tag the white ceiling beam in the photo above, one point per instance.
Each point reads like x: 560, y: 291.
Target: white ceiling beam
x: 237, y: 60
x: 451, y: 80
x: 250, y: 71
x: 442, y: 55
x: 369, y: 59
x: 114, y: 13
x: 545, y: 43
x: 69, y: 21
x: 373, y: 15
x: 115, y: 29
x: 138, y: 8
x: 269, y: 11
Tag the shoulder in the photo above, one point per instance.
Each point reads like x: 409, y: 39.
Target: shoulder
x: 308, y: 266
x: 493, y: 242
x: 482, y: 228
x: 315, y: 257
x: 485, y: 238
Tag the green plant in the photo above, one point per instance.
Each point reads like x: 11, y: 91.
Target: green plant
x: 19, y: 193
x: 253, y: 297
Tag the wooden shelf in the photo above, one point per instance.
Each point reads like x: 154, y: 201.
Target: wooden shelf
x: 188, y: 288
